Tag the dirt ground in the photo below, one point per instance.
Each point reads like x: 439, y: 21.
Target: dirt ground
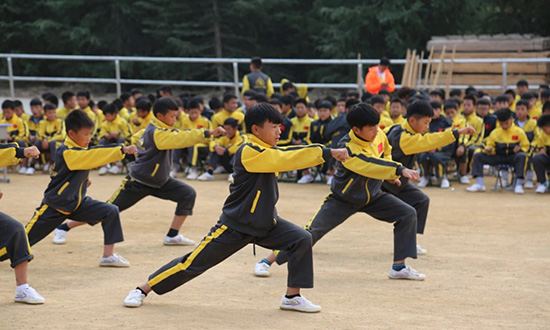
x: 486, y: 268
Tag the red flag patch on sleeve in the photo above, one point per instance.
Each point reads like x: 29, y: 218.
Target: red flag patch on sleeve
x: 515, y: 138
x: 380, y: 147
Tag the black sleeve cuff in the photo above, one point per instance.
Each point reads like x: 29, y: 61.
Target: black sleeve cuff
x: 326, y: 154
x: 455, y: 133
x: 20, y: 152
x: 399, y: 170
x: 206, y: 134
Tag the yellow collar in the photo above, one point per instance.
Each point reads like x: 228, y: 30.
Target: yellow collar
x: 406, y: 126
x: 252, y: 138
x: 360, y: 142
x: 157, y: 122
x: 71, y: 144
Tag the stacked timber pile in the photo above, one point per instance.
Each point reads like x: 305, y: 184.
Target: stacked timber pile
x: 498, y: 47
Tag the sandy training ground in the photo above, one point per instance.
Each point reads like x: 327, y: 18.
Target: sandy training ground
x: 486, y: 267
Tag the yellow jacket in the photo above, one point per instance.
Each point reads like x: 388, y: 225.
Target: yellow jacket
x: 502, y: 142
x: 52, y: 130
x: 117, y: 125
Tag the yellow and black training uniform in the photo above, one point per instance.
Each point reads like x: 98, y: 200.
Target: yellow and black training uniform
x: 406, y: 144
x: 231, y: 146
x: 472, y: 142
x: 13, y: 239
x: 150, y: 173
x: 300, y: 128
x: 502, y: 143
x: 356, y: 188
x: 65, y: 197
x: 442, y: 156
x: 249, y: 216
x: 197, y: 152
x: 117, y: 125
x: 541, y: 162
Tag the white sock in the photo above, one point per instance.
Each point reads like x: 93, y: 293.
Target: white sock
x: 22, y: 287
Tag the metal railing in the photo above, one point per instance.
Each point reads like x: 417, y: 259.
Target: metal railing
x: 235, y: 84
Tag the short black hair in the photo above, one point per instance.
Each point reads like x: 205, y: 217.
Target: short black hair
x: 7, y: 104
x: 259, y: 114
x: 523, y: 102
x: 470, y: 90
x: 384, y: 91
x: 546, y: 106
x: 300, y: 100
x: 143, y: 104
x: 85, y: 94
x: 504, y: 114
x: 528, y: 96
x: 36, y: 101
x: 288, y: 100
x: 510, y: 91
x: 125, y: 96
x: 152, y: 98
x: 404, y: 92
x: 256, y: 62
x: 287, y: 85
x: 438, y: 92
x: 228, y: 97
x: 385, y: 61
x: 193, y: 104
x: 377, y: 99
x: 17, y: 103
x: 66, y: 96
x: 275, y: 95
x: 353, y: 94
x: 50, y: 98
x: 450, y: 105
x: 166, y: 89
x: 249, y: 93
x: 545, y: 94
x: 324, y: 104
x: 331, y: 99
x: 49, y: 106
x: 110, y: 108
x: 366, y: 96
x: 455, y: 92
x: 522, y: 82
x: 276, y: 101
x: 214, y: 103
x: 231, y: 122
x: 261, y: 98
x: 119, y: 104
x: 502, y: 98
x: 197, y: 99
x: 544, y: 86
x: 135, y: 91
x: 362, y: 115
x: 163, y: 105
x: 472, y: 98
x: 351, y: 102
x: 483, y: 102
x: 436, y: 104
x: 101, y: 104
x: 342, y: 99
x: 420, y: 109
x: 76, y: 120
x: 397, y: 100
x: 543, y: 120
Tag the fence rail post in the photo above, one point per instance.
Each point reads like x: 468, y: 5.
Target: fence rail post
x: 236, y: 80
x: 359, y: 77
x: 504, y: 76
x: 10, y: 74
x: 117, y: 75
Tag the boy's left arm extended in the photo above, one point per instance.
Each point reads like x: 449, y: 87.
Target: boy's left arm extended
x: 87, y: 159
x: 176, y: 139
x: 283, y: 159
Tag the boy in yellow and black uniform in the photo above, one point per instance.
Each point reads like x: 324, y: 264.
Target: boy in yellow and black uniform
x: 229, y: 111
x: 286, y: 126
x: 69, y: 104
x: 150, y: 173
x: 223, y: 149
x: 356, y: 188
x: 140, y: 118
x: 14, y: 243
x: 300, y: 123
x: 408, y: 140
x: 18, y: 131
x: 51, y: 133
x: 507, y: 144
x: 469, y: 144
x: 65, y: 197
x: 541, y: 160
x: 529, y: 125
x: 128, y: 106
x: 114, y: 130
x: 197, y: 152
x: 249, y: 214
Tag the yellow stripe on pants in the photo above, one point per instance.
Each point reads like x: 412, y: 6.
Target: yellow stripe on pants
x: 183, y: 266
x: 35, y: 217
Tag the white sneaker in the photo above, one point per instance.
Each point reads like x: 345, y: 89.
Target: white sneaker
x: 528, y: 185
x: 299, y: 304
x: 541, y: 189
x: 114, y: 170
x: 113, y: 261
x: 30, y: 171
x: 518, y: 189
x: 28, y: 296
x: 177, y: 240
x: 407, y: 273
x: 46, y: 167
x: 423, y: 182
x: 319, y: 178
x: 420, y: 250
x: 193, y: 175
x: 173, y: 174
x: 329, y: 180
x: 230, y: 177
x: 23, y: 170
x: 464, y: 179
x: 307, y: 178
x: 219, y: 170
x: 134, y: 299
x: 60, y: 236
x: 476, y: 188
x: 103, y: 170
x: 206, y: 177
x: 504, y: 183
x: 261, y: 269
x: 445, y: 183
